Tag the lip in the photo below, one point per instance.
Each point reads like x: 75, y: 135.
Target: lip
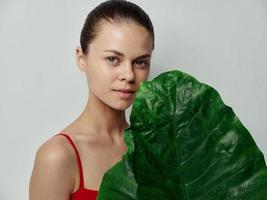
x: 125, y: 90
x: 124, y: 94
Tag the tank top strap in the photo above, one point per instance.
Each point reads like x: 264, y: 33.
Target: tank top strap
x: 78, y: 158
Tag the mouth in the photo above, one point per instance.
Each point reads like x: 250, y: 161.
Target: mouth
x: 124, y: 94
x: 126, y: 91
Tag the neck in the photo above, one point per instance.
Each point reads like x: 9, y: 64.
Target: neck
x: 103, y: 119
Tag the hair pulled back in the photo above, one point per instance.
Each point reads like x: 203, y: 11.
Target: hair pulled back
x: 113, y: 11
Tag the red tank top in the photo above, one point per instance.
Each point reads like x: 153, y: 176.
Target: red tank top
x: 82, y: 193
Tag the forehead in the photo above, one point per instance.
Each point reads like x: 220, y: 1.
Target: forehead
x: 126, y: 37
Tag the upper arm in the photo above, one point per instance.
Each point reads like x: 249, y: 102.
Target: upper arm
x: 52, y: 177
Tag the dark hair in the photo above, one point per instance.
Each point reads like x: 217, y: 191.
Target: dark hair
x: 113, y: 11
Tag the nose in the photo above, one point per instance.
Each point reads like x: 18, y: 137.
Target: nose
x: 127, y: 73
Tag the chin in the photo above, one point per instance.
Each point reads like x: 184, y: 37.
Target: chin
x: 122, y: 106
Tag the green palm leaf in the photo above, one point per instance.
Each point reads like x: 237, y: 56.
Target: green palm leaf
x: 185, y: 143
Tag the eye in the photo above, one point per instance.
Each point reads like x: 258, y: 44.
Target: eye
x: 142, y: 62
x: 111, y: 59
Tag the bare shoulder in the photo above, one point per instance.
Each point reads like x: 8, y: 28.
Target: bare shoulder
x: 55, y: 150
x: 53, y: 176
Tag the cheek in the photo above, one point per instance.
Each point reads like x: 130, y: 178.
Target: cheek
x: 143, y: 75
x: 93, y: 76
x: 99, y: 78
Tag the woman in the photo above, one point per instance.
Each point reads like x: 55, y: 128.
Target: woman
x: 116, y: 45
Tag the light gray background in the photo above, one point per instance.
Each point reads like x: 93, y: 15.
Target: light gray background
x: 221, y: 42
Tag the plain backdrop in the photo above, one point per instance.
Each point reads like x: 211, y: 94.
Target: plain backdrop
x: 222, y: 43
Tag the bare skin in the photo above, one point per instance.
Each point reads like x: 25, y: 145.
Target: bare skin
x: 98, y: 131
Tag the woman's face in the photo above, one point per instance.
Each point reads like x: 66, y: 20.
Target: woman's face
x: 118, y: 59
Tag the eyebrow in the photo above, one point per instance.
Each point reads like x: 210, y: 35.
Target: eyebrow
x: 121, y: 54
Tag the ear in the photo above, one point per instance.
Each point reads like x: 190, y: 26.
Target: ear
x: 80, y: 59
